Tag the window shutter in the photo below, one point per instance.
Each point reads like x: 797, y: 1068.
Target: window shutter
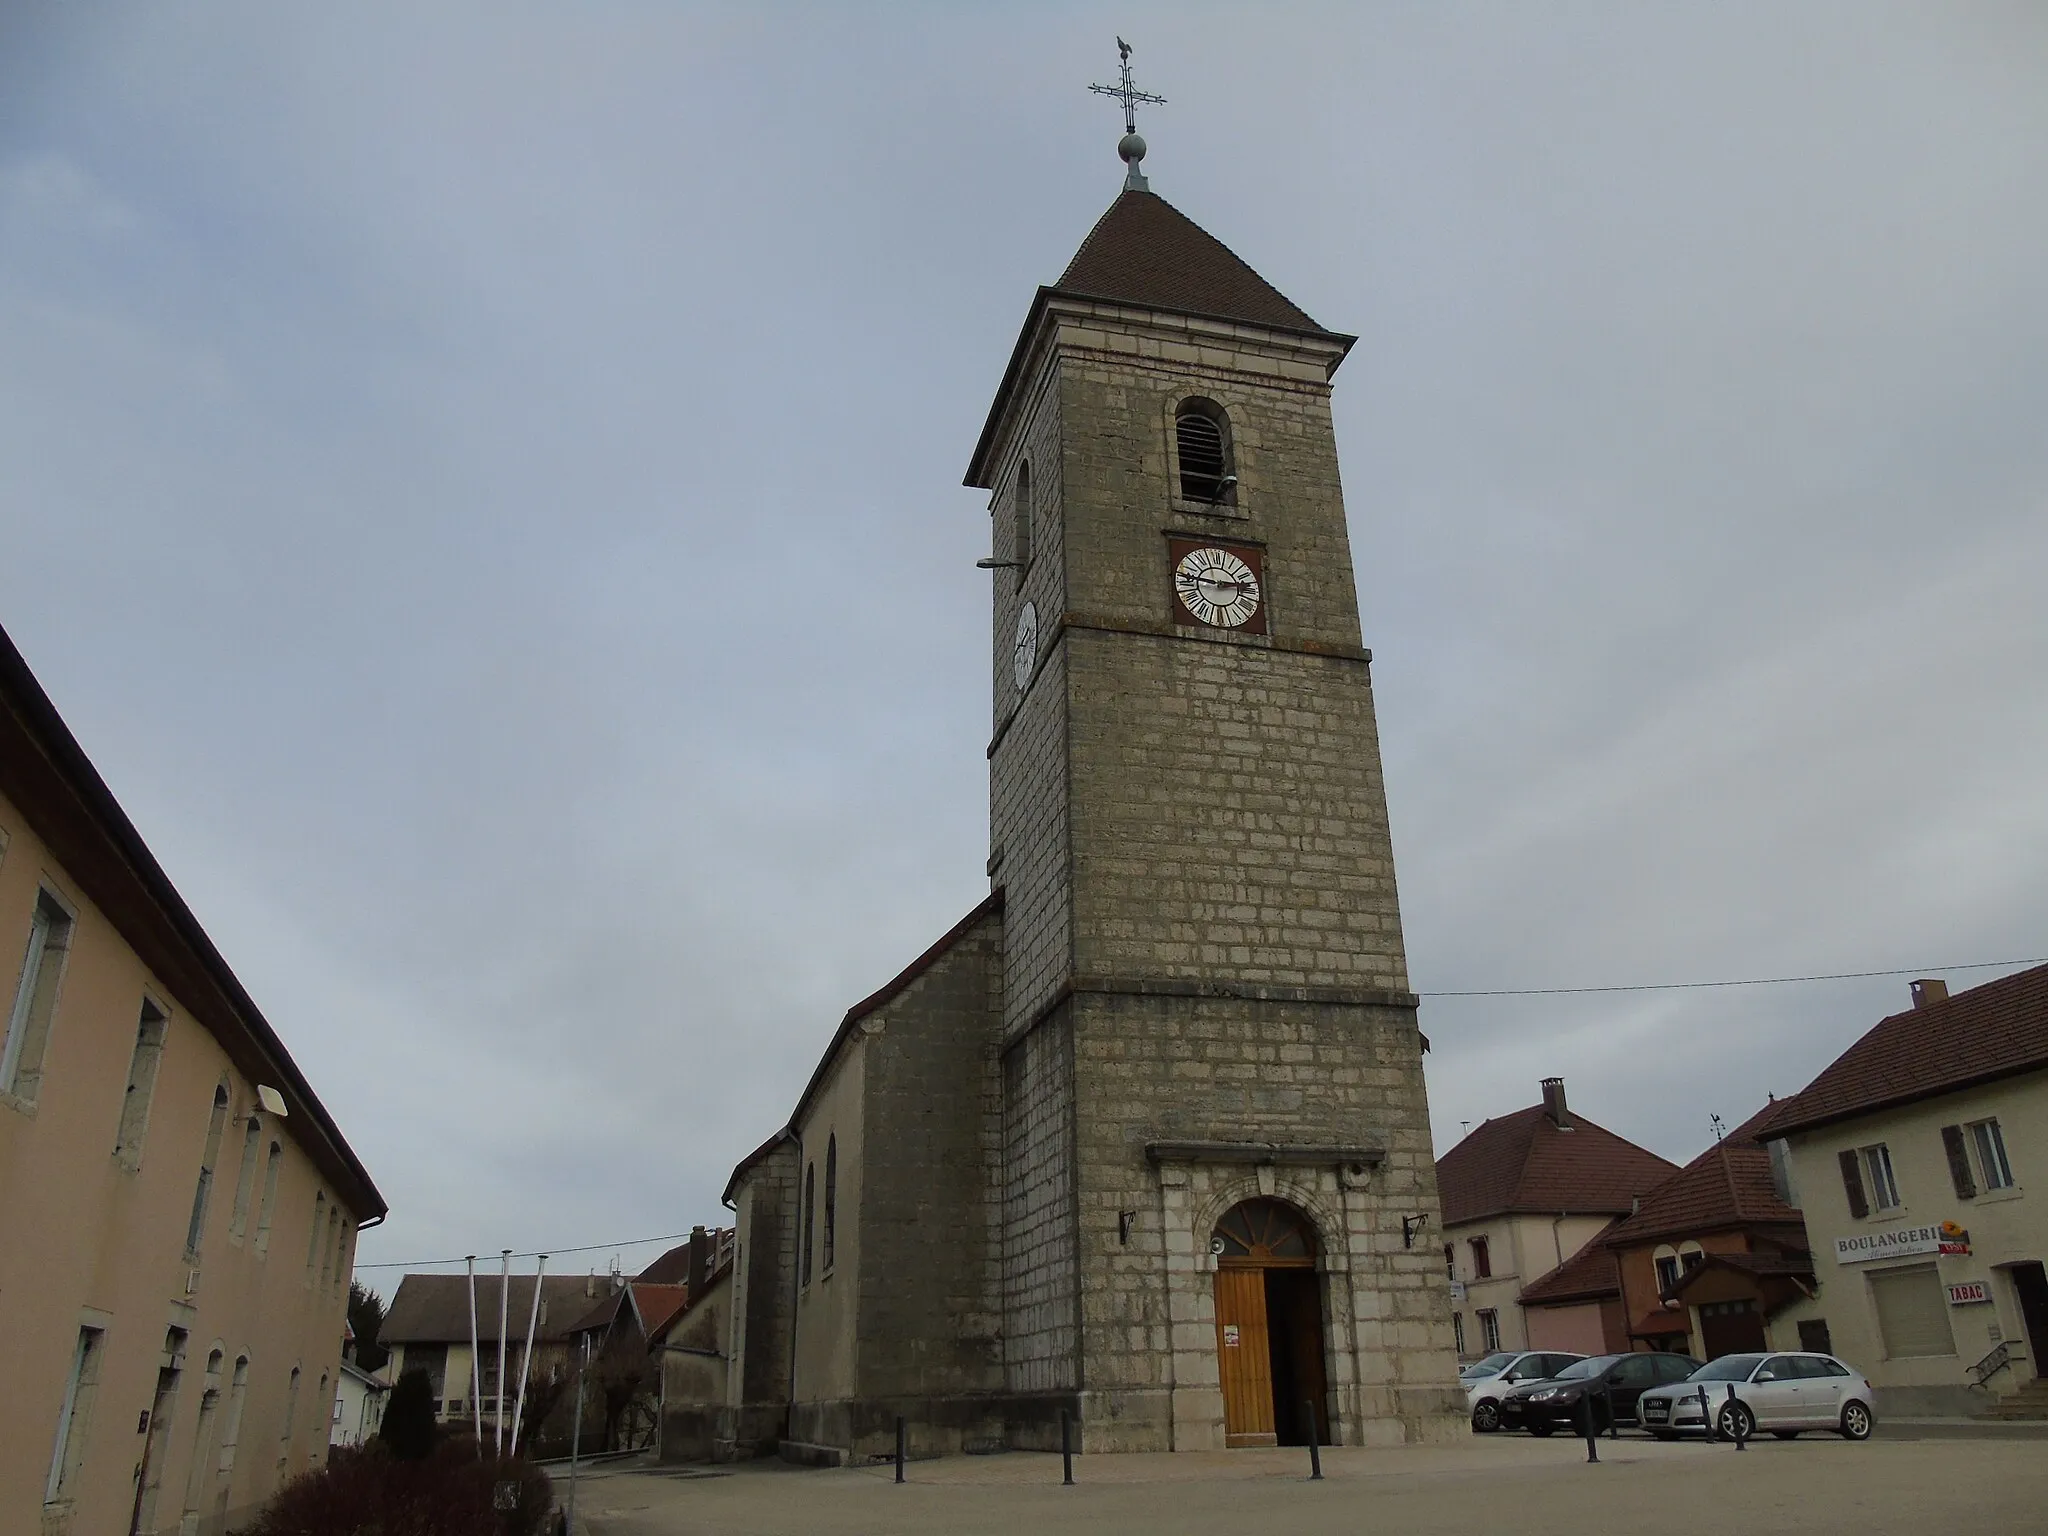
x: 1958, y: 1162
x: 1912, y: 1313
x: 1852, y: 1181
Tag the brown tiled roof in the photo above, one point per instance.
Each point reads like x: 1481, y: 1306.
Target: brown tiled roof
x: 1728, y: 1185
x: 658, y: 1305
x: 1146, y: 251
x: 1758, y: 1264
x: 434, y: 1309
x: 1588, y: 1274
x: 1526, y: 1162
x: 1660, y: 1322
x: 672, y: 1268
x: 1988, y: 1032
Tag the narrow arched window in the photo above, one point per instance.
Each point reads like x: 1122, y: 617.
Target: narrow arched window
x: 215, y: 1128
x: 1201, y: 434
x: 245, y: 1185
x: 831, y: 1198
x: 1020, y: 522
x: 269, y: 1206
x: 810, y: 1200
x: 313, y: 1242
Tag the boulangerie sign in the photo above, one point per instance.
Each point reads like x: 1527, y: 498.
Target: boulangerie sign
x: 1948, y: 1237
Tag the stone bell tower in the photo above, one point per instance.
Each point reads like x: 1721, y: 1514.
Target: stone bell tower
x: 1211, y: 1067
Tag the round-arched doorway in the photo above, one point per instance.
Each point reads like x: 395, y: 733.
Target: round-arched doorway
x: 1269, y: 1325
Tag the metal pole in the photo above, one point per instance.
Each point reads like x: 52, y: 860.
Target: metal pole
x: 1707, y: 1414
x: 899, y: 1447
x: 1735, y: 1422
x: 576, y: 1440
x: 476, y: 1366
x: 1315, y: 1452
x: 1067, y: 1446
x: 1592, y: 1430
x: 526, y: 1359
x: 504, y: 1319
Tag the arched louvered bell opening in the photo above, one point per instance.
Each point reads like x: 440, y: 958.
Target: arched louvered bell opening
x: 1203, y: 460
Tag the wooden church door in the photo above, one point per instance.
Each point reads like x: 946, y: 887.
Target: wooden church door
x: 1252, y: 1241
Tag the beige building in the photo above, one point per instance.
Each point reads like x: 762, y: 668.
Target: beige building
x: 1143, y: 1143
x: 1522, y: 1194
x: 1912, y: 1157
x: 179, y: 1209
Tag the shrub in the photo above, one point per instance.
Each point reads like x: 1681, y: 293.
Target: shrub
x: 409, y: 1430
x: 449, y: 1493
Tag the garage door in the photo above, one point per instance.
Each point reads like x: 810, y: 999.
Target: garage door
x: 1912, y: 1312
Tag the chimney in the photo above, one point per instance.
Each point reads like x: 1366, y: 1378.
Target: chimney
x: 1928, y: 991
x: 590, y: 1284
x: 700, y: 1260
x: 1553, y: 1103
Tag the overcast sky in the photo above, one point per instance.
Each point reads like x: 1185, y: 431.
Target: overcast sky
x: 483, y: 484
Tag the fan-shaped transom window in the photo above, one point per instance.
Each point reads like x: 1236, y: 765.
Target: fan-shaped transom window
x: 1199, y: 433
x: 1265, y: 1232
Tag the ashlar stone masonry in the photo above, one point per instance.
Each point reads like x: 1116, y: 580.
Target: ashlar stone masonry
x: 1144, y: 1140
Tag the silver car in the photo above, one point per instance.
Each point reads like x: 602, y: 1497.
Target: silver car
x: 1783, y: 1393
x: 1487, y: 1381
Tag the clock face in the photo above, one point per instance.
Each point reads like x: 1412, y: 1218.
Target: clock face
x: 1216, y: 587
x: 1025, y: 656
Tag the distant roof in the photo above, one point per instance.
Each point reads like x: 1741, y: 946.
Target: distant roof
x: 1526, y: 1162
x: 1145, y: 252
x: 1978, y: 1036
x: 660, y: 1305
x: 1728, y: 1185
x: 434, y: 1309
x: 46, y: 773
x: 672, y: 1267
x: 1587, y: 1275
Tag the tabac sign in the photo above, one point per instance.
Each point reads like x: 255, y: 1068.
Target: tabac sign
x: 1902, y: 1242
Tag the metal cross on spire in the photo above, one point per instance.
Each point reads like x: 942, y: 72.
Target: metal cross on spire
x: 1130, y: 147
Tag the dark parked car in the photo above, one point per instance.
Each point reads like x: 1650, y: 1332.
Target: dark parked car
x: 1541, y: 1406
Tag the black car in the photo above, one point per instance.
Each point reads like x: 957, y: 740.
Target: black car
x: 1616, y: 1380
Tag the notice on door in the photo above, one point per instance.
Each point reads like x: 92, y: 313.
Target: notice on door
x: 1230, y: 1335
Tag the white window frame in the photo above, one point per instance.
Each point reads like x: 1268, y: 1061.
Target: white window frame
x: 1489, y: 1329
x: 52, y: 927
x: 71, y: 1418
x: 1458, y: 1332
x: 1880, y: 1184
x: 1993, y: 1166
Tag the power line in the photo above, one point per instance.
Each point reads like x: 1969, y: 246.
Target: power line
x: 1753, y: 981
x: 462, y: 1258
x: 1645, y: 986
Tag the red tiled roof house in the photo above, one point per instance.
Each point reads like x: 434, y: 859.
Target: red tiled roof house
x: 1523, y: 1194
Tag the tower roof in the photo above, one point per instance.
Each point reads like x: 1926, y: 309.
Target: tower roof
x: 1145, y: 252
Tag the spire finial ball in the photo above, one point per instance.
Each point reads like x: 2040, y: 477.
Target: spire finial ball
x: 1131, y: 147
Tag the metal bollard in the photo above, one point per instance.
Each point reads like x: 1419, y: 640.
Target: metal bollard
x: 1067, y: 1446
x: 1707, y: 1416
x: 1592, y: 1431
x: 1315, y: 1451
x: 899, y: 1447
x: 1741, y: 1440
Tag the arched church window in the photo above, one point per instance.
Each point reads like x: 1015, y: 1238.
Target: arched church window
x: 1200, y: 431
x: 1265, y: 1231
x: 831, y: 1198
x: 810, y: 1203
x: 1020, y: 520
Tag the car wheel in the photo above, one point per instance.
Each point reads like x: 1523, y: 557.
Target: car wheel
x: 1665, y: 1434
x: 1542, y: 1428
x: 1735, y: 1422
x: 1856, y: 1422
x: 1486, y: 1417
x: 1786, y: 1434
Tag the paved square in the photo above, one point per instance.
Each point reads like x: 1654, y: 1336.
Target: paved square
x: 1523, y: 1486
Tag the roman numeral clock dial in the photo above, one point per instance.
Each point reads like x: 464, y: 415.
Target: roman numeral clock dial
x: 1025, y: 656
x: 1216, y: 587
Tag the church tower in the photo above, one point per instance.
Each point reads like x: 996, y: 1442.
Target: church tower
x: 1218, y: 1213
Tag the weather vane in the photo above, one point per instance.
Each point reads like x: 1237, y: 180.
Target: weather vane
x: 1130, y: 147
